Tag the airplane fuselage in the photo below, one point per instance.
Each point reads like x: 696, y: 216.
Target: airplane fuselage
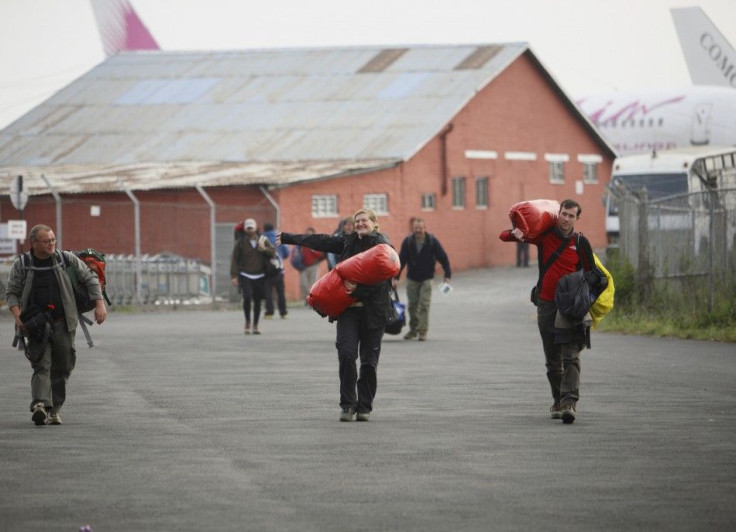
x: 636, y: 122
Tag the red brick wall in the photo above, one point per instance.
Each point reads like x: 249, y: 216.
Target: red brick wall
x: 517, y: 111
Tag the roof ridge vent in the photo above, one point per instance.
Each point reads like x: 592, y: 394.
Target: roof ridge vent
x: 382, y: 60
x: 479, y: 57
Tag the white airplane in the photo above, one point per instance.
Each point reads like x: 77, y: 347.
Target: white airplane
x: 659, y: 119
x: 632, y: 122
x: 710, y: 58
x: 646, y: 120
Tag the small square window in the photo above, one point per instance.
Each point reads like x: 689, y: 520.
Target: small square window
x: 429, y: 202
x: 324, y: 206
x: 556, y: 172
x: 378, y: 203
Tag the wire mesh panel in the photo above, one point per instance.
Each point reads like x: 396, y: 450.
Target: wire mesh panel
x: 688, y: 240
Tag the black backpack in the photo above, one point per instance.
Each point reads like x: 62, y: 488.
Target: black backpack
x: 95, y: 261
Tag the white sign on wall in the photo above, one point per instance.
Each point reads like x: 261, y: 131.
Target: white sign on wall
x: 17, y: 229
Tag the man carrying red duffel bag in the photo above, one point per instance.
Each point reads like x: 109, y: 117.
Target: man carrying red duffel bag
x: 361, y: 326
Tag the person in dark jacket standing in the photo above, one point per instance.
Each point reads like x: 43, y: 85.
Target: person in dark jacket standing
x: 360, y: 328
x: 420, y: 252
x: 247, y: 270
x: 277, y: 281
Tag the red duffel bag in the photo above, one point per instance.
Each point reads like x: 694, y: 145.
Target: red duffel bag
x: 374, y: 265
x: 328, y: 295
x: 534, y: 217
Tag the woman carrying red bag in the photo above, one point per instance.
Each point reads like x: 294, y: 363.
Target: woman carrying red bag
x: 361, y: 326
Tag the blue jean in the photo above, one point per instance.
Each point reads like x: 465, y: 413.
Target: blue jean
x: 355, y: 339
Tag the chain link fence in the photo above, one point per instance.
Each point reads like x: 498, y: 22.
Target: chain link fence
x: 686, y: 242
x: 157, y: 252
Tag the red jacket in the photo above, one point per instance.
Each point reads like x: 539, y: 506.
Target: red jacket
x: 566, y: 262
x: 310, y: 256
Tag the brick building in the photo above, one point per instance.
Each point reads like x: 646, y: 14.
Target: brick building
x: 146, y: 149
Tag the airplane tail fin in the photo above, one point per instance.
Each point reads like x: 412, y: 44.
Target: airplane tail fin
x: 710, y: 58
x: 120, y: 27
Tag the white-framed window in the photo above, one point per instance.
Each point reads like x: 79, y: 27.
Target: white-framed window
x: 590, y: 172
x: 378, y: 203
x: 324, y: 205
x: 481, y: 193
x: 429, y: 201
x: 590, y: 164
x: 556, y: 166
x: 458, y: 192
x: 556, y: 172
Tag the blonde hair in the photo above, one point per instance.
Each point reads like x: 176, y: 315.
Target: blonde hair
x: 371, y: 215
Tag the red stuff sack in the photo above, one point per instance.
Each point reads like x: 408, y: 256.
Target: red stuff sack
x: 328, y: 296
x: 374, y: 265
x: 534, y: 217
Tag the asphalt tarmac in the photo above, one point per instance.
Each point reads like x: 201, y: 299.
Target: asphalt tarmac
x: 177, y: 421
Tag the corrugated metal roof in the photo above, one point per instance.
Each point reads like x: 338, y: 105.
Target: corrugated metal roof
x: 276, y: 107
x: 116, y: 178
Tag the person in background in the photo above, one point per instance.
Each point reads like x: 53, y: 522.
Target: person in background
x: 247, y: 270
x: 522, y: 254
x: 361, y: 326
x: 346, y: 226
x: 562, y: 340
x: 310, y: 261
x: 276, y: 282
x: 420, y: 252
x: 41, y: 291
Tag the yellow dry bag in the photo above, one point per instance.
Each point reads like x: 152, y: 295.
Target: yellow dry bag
x: 604, y: 303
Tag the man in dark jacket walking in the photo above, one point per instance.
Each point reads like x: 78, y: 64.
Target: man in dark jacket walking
x: 420, y: 252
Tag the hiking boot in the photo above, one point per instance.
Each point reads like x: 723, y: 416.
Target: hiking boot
x: 54, y: 418
x: 363, y: 416
x: 555, y: 411
x: 410, y: 335
x: 568, y: 412
x: 347, y: 414
x: 39, y: 416
x: 422, y: 336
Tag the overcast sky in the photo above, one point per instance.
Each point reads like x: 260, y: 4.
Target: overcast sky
x: 587, y: 45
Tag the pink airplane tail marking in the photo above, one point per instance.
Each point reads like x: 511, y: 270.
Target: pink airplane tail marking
x: 121, y: 28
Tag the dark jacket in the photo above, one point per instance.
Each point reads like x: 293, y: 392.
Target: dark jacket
x: 420, y: 265
x: 246, y: 258
x: 376, y: 298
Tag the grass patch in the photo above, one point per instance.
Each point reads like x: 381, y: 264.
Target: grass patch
x: 678, y: 308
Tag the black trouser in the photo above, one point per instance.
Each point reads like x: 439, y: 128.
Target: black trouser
x: 277, y: 282
x: 252, y: 289
x: 355, y: 339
